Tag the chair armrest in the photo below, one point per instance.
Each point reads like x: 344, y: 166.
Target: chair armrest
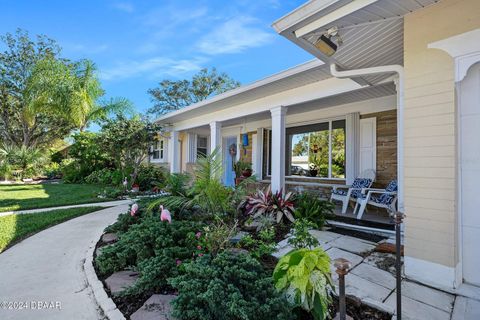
x: 381, y: 191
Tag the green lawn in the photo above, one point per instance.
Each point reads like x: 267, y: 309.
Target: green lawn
x: 16, y: 227
x: 33, y: 196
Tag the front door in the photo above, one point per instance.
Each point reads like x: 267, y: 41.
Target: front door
x: 229, y: 158
x: 469, y: 131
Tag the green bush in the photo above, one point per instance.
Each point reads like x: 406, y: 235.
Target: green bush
x: 145, y: 240
x: 228, y: 286
x: 301, y: 237
x: 303, y: 276
x: 262, y: 245
x: 52, y: 170
x: 150, y: 176
x: 310, y: 207
x: 105, y: 176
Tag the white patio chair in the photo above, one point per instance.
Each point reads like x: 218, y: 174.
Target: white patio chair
x: 380, y: 198
x: 346, y: 193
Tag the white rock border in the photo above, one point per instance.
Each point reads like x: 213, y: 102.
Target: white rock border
x: 105, y: 303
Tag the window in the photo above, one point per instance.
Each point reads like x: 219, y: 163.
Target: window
x: 202, y: 146
x: 316, y: 150
x: 158, y: 150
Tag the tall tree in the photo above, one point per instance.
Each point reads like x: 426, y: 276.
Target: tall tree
x: 28, y: 106
x: 44, y: 97
x: 127, y: 141
x: 173, y: 95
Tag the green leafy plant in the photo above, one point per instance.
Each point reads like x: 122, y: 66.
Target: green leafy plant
x: 150, y: 176
x: 241, y: 166
x: 261, y: 246
x: 228, y: 286
x: 275, y: 205
x: 303, y: 276
x: 310, y: 207
x: 215, y: 237
x: 301, y: 237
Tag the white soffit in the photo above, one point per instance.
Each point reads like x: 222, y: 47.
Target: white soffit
x: 372, y: 33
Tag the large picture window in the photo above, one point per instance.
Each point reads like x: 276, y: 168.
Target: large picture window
x: 316, y: 150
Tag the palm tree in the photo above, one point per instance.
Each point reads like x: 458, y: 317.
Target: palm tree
x: 87, y: 107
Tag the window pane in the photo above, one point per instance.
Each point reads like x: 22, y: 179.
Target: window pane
x: 338, y: 149
x: 202, y: 142
x: 201, y: 152
x: 156, y: 155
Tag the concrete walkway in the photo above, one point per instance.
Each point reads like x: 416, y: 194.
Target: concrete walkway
x: 43, y: 275
x: 94, y: 204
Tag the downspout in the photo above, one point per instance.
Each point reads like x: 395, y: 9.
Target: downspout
x: 398, y: 69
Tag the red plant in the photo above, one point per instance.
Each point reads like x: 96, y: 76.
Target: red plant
x: 275, y: 205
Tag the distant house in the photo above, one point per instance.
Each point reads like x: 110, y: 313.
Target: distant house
x: 400, y: 95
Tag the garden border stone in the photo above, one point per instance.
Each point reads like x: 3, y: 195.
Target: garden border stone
x: 105, y: 303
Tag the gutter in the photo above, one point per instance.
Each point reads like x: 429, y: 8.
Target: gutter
x: 399, y: 82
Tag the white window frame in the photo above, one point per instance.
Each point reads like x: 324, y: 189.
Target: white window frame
x: 197, y: 145
x: 158, y: 146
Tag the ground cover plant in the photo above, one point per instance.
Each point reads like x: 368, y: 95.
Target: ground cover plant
x: 14, y: 228
x: 227, y: 286
x: 34, y: 196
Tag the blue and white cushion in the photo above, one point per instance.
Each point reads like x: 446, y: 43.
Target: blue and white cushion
x: 358, y: 183
x: 384, y: 198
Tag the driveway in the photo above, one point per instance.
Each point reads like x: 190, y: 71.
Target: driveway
x: 42, y: 277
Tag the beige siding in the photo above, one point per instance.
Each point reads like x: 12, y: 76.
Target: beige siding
x: 430, y: 136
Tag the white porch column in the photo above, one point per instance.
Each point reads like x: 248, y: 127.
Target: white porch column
x: 352, y: 146
x: 174, y: 152
x: 259, y: 161
x: 278, y: 147
x: 191, y: 148
x: 215, y: 135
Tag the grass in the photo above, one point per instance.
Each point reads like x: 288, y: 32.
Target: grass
x: 16, y: 227
x: 34, y: 196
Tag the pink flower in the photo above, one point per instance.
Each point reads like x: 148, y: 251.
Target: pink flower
x: 165, y: 215
x: 198, y: 234
x: 134, y: 209
x: 200, y: 254
x: 199, y: 247
x: 179, y: 262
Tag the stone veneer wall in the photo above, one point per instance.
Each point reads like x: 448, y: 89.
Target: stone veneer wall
x: 386, y: 146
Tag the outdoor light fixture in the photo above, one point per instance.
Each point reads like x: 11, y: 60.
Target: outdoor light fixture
x: 325, y: 43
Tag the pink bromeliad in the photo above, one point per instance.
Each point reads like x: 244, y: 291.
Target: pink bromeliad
x: 165, y: 215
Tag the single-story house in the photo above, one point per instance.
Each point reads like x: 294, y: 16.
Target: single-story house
x: 395, y: 87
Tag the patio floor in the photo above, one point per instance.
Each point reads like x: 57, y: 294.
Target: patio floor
x: 372, y: 218
x: 372, y: 281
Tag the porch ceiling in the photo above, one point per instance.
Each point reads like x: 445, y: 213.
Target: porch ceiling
x: 367, y: 93
x: 372, y: 35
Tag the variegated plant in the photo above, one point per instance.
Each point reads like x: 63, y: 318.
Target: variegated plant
x: 304, y: 277
x: 266, y: 203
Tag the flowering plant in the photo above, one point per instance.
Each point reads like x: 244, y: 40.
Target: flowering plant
x: 275, y: 205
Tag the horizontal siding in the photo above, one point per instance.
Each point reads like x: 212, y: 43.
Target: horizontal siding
x: 430, y: 140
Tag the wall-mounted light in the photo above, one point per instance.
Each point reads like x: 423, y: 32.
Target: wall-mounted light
x: 325, y: 44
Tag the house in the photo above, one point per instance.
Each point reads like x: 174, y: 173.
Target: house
x: 398, y: 91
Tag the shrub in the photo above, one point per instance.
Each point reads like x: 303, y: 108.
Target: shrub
x: 301, y: 238
x: 310, y: 207
x: 261, y: 246
x: 275, y: 205
x: 228, y: 286
x: 105, y: 176
x: 146, y: 240
x: 150, y: 176
x: 52, y: 170
x: 303, y: 276
x: 215, y: 237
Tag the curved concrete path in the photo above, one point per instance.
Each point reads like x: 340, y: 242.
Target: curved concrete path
x: 44, y: 274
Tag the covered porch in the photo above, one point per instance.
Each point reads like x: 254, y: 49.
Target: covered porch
x: 301, y: 130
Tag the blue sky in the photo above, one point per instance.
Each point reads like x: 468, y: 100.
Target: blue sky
x: 135, y: 44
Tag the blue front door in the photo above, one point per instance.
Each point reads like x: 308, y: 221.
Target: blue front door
x: 229, y: 157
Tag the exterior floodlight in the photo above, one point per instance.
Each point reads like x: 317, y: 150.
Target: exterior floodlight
x: 325, y: 45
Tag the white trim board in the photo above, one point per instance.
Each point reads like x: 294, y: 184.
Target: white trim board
x: 430, y: 273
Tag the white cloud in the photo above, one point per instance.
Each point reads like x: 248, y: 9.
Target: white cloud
x: 124, y: 6
x: 234, y: 36
x: 154, y: 68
